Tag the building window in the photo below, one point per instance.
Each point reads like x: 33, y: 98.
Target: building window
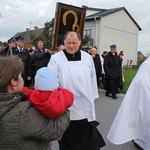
x: 88, y: 32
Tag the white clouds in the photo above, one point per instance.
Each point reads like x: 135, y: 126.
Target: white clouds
x: 144, y: 43
x: 15, y: 16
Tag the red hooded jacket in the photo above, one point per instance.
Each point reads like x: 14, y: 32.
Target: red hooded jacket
x: 50, y: 104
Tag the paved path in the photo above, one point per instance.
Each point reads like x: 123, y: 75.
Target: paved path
x: 106, y: 109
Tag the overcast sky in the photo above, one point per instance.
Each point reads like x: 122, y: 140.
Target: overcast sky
x: 17, y: 15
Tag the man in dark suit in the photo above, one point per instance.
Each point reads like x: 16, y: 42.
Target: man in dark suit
x: 112, y: 71
x: 41, y: 55
x: 97, y: 63
x: 23, y: 53
x: 2, y: 49
x: 11, y: 46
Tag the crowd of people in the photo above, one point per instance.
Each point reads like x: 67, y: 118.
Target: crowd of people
x: 61, y: 104
x: 33, y: 59
x: 109, y: 70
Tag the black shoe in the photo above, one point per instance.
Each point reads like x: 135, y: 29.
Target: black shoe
x: 136, y: 145
x: 107, y: 95
x: 115, y: 97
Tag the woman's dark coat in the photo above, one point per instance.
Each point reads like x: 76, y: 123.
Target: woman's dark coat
x: 23, y: 127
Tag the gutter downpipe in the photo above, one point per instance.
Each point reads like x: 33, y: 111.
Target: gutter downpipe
x: 95, y: 43
x: 96, y: 38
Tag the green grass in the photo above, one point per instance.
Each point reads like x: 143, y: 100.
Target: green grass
x: 128, y: 75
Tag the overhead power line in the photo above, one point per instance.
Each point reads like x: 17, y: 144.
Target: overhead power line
x: 3, y: 16
x: 23, y: 4
x: 15, y: 21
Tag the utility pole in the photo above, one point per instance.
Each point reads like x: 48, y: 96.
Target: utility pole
x: 0, y: 15
x: 30, y: 24
x: 0, y: 18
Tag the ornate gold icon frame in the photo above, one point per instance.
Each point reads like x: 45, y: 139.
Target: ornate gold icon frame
x: 67, y: 18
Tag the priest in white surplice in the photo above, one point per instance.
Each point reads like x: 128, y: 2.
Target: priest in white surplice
x: 76, y: 72
x: 132, y: 121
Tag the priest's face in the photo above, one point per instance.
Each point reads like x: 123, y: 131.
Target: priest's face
x: 72, y: 43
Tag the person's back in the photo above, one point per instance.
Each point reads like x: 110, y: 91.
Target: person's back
x: 132, y: 119
x: 14, y: 128
x: 22, y: 126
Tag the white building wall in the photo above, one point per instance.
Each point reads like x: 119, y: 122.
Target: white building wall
x: 116, y: 28
x: 119, y: 29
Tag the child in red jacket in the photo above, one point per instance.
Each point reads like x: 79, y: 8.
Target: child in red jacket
x: 48, y: 97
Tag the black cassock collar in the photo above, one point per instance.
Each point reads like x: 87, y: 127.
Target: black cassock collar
x: 73, y: 57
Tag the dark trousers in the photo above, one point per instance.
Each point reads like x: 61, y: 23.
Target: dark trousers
x: 111, y: 85
x: 103, y: 81
x: 30, y: 83
x: 24, y: 76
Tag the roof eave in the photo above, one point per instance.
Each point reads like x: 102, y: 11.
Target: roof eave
x: 93, y: 18
x: 121, y: 8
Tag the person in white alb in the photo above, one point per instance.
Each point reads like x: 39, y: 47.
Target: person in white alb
x: 132, y: 121
x: 76, y: 72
